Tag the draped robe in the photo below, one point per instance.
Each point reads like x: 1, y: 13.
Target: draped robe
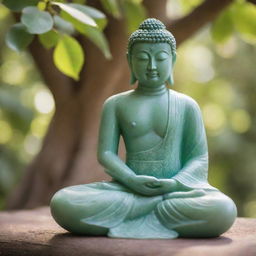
x: 197, y: 209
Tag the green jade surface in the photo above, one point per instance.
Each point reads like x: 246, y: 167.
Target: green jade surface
x: 161, y: 191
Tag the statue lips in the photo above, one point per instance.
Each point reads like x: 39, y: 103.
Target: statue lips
x: 152, y: 74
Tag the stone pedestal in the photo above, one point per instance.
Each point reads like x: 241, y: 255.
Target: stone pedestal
x: 34, y: 233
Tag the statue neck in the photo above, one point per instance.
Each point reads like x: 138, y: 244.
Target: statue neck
x: 159, y: 90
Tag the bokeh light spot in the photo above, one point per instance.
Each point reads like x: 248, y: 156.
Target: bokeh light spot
x: 228, y: 49
x: 240, y: 121
x: 32, y: 144
x: 3, y: 12
x: 44, y: 102
x: 214, y: 118
x: 200, y: 57
x: 222, y: 93
x: 13, y: 72
x: 5, y: 132
x: 39, y: 125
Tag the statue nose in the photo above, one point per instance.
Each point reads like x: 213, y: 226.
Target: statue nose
x: 151, y: 64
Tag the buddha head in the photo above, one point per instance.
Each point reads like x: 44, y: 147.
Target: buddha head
x: 151, y: 54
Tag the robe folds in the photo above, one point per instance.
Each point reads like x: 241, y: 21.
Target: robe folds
x: 197, y: 209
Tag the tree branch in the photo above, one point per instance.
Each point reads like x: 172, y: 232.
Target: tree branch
x: 206, y: 12
x: 156, y: 9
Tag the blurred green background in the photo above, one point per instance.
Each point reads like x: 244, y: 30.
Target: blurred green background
x: 217, y: 69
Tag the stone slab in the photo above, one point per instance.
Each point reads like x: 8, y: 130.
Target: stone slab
x: 34, y: 233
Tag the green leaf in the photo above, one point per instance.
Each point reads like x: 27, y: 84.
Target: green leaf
x: 222, y: 27
x: 244, y: 19
x: 63, y: 25
x: 135, y: 13
x: 18, y: 5
x: 98, y: 38
x: 112, y: 7
x: 49, y: 39
x: 98, y: 16
x: 36, y: 21
x: 82, y: 17
x: 94, y: 34
x: 17, y: 38
x: 68, y: 56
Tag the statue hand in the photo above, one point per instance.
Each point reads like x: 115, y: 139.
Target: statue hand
x: 167, y: 185
x: 145, y: 185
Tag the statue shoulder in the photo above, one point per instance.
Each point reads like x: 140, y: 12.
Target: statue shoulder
x: 190, y: 105
x: 114, y: 100
x: 188, y: 101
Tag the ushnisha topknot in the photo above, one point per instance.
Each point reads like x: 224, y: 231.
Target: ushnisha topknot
x: 152, y: 31
x: 152, y: 24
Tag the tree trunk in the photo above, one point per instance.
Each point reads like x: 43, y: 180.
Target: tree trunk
x: 68, y: 154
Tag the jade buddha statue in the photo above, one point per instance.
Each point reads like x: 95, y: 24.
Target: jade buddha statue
x: 161, y: 190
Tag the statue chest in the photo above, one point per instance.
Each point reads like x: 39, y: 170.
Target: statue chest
x: 143, y: 117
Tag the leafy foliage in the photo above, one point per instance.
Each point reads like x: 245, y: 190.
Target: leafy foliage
x: 51, y: 20
x: 245, y: 20
x: 239, y: 17
x: 223, y: 27
x: 133, y: 13
x: 112, y: 7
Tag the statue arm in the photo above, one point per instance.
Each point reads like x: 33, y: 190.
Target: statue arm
x: 109, y: 136
x: 194, y: 158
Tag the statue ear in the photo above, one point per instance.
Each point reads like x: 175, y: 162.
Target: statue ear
x: 133, y: 79
x: 170, y: 80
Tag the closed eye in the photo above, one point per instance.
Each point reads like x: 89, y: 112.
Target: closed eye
x: 160, y: 59
x: 142, y: 56
x: 143, y: 59
x: 162, y: 56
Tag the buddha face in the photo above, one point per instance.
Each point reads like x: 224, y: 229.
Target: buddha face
x: 151, y: 63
